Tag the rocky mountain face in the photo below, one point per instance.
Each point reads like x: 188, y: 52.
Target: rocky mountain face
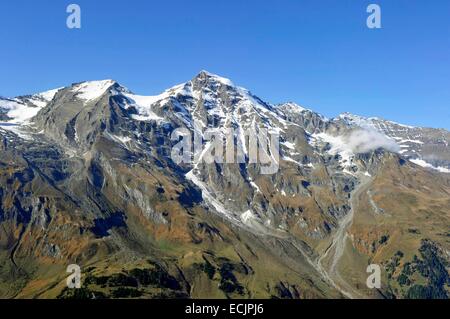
x: 88, y: 177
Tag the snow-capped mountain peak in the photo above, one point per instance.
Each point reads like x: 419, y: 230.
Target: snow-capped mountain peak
x: 92, y: 90
x: 291, y: 107
x: 203, y: 74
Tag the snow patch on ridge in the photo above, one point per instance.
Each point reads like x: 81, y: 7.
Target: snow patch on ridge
x: 48, y: 95
x: 92, y: 90
x: 368, y: 122
x: 143, y: 105
x: 22, y: 109
x: 19, y: 112
x: 425, y: 164
x: 218, y: 78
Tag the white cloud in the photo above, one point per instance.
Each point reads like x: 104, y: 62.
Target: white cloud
x: 363, y: 141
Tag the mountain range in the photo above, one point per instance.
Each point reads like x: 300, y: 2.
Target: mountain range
x: 87, y: 178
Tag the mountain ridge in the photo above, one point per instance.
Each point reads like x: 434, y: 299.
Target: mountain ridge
x: 219, y: 79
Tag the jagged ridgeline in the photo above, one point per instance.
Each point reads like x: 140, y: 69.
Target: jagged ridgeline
x: 87, y: 178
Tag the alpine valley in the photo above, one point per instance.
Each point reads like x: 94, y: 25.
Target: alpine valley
x: 86, y: 178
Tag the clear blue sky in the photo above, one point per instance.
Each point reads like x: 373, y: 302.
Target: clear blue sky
x: 318, y: 53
